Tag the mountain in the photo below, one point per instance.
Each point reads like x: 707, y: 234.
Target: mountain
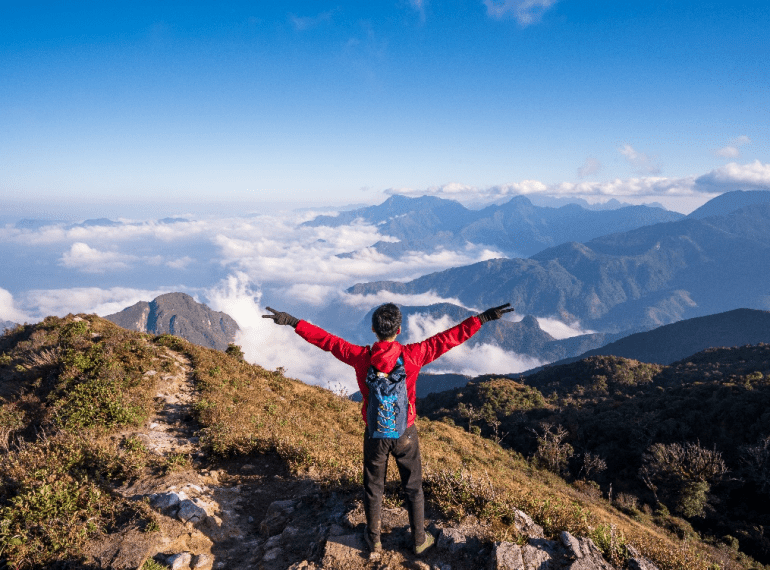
x: 632, y: 281
x: 517, y: 227
x: 158, y: 453
x: 670, y: 343
x: 180, y: 315
x: 730, y: 202
x: 7, y: 325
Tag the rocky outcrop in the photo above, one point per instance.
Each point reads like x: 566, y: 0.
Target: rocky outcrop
x: 180, y: 315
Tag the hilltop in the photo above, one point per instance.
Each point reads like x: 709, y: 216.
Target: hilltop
x: 124, y: 450
x: 181, y: 315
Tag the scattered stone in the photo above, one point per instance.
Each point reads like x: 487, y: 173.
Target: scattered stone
x: 526, y: 526
x: 202, y: 561
x: 639, y: 562
x: 507, y: 556
x: 179, y: 561
x: 273, y: 542
x: 272, y: 554
x: 452, y: 540
x: 276, y: 517
x: 419, y: 565
x: 190, y: 512
x: 164, y: 501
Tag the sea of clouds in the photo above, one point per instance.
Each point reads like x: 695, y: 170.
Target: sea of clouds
x: 240, y: 265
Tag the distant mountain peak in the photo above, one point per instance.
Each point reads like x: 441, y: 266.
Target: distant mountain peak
x: 181, y: 315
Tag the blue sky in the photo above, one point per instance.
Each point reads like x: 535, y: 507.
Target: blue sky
x: 346, y: 102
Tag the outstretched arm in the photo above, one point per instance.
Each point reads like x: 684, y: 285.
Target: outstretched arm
x: 343, y: 350
x: 430, y: 349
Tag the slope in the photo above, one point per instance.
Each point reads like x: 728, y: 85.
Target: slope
x: 82, y: 485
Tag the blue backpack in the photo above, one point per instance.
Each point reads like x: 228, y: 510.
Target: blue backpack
x: 388, y: 405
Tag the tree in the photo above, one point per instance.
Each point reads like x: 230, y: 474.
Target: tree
x: 683, y: 474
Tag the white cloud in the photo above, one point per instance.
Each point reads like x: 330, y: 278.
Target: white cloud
x: 305, y: 23
x: 734, y: 176
x: 466, y: 359
x: 559, y: 329
x: 85, y: 258
x: 639, y: 160
x: 729, y: 152
x: 525, y: 12
x: 732, y: 149
x: 381, y: 297
x: 591, y: 166
x: 43, y: 302
x: 9, y: 311
x: 180, y: 263
x: 272, y: 346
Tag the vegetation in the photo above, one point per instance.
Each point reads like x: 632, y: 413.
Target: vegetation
x: 692, y: 439
x: 70, y: 388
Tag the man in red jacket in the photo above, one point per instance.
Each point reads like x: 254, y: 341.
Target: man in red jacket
x: 383, y: 356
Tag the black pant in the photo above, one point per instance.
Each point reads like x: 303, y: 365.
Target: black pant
x: 406, y: 451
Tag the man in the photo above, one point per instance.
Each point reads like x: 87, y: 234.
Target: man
x: 384, y: 356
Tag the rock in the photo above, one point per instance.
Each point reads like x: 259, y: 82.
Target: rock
x: 165, y: 501
x: 571, y: 544
x: 419, y: 565
x: 539, y: 554
x: 526, y: 526
x: 272, y: 554
x: 451, y: 539
x: 179, y: 561
x: 202, y: 562
x: 276, y: 517
x: 190, y: 512
x: 639, y: 562
x: 343, y: 552
x: 304, y: 565
x: 507, y: 556
x: 273, y: 542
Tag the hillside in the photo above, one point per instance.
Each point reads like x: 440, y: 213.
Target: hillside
x: 631, y: 281
x: 693, y: 436
x: 179, y: 314
x: 517, y: 227
x: 129, y: 450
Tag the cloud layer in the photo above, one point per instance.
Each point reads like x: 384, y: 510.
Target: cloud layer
x: 732, y: 176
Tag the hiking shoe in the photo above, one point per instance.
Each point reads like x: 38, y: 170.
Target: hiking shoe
x: 429, y: 541
x: 373, y: 546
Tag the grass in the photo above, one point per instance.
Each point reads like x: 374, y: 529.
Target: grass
x: 82, y: 379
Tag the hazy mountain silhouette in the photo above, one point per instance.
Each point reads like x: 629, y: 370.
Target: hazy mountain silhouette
x: 180, y: 315
x: 674, y: 342
x: 730, y: 202
x: 630, y: 281
x: 6, y: 325
x: 516, y: 227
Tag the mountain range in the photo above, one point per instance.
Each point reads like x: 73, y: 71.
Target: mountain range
x: 180, y: 315
x: 516, y: 228
x: 631, y: 281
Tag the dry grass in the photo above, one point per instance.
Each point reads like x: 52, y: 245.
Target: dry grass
x: 245, y: 409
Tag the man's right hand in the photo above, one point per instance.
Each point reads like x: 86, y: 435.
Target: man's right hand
x: 280, y: 318
x: 495, y: 313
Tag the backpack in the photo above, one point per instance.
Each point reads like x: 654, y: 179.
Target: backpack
x: 388, y: 408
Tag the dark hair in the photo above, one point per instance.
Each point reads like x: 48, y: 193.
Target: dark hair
x: 386, y: 321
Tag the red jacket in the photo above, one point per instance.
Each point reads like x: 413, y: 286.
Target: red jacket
x: 383, y: 355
